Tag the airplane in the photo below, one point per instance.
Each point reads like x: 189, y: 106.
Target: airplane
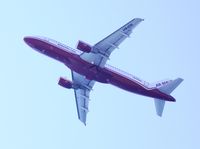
x: 88, y: 65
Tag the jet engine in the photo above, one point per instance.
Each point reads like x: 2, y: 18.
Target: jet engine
x: 84, y: 47
x: 65, y: 83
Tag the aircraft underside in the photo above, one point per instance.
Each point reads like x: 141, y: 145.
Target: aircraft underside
x: 88, y: 65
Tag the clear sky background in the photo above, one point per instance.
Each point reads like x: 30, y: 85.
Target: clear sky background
x: 36, y: 113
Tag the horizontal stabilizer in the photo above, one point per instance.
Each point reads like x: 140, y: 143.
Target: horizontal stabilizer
x: 167, y: 89
x: 159, y: 104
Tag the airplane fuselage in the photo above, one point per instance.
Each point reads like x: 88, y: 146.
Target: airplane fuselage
x: 71, y: 58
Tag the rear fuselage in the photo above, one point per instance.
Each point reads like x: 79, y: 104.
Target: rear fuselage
x: 71, y: 58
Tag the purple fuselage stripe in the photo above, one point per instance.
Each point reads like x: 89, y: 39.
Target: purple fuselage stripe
x: 104, y: 75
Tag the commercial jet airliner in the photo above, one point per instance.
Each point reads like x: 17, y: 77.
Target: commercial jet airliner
x: 88, y: 65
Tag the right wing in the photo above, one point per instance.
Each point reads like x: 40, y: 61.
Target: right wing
x: 101, y: 51
x: 82, y: 91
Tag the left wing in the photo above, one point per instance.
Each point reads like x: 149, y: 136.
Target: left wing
x: 101, y: 51
x: 82, y: 91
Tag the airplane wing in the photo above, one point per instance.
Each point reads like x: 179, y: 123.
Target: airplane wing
x: 101, y: 51
x: 99, y: 55
x: 84, y: 86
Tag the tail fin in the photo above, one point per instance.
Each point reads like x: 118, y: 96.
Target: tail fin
x: 167, y: 89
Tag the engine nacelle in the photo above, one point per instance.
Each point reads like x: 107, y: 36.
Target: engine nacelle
x: 84, y: 47
x: 65, y: 83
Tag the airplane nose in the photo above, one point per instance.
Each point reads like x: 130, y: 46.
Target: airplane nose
x: 29, y: 41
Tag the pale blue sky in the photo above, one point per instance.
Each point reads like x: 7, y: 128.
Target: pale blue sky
x: 35, y: 113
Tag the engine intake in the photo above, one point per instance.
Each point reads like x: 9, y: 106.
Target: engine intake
x: 84, y: 46
x: 65, y: 83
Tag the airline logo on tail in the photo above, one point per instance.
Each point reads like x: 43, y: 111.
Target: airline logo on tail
x: 159, y: 84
